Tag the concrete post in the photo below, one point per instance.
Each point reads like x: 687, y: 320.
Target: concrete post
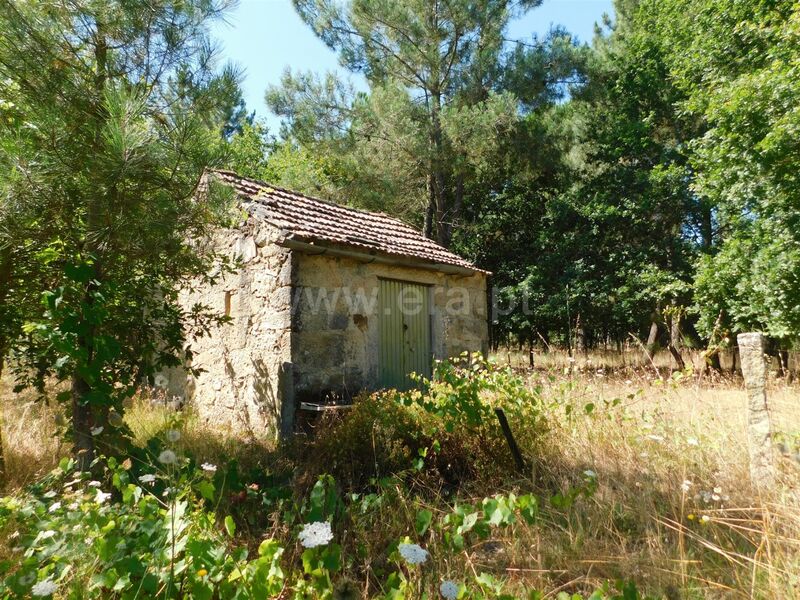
x: 759, y: 431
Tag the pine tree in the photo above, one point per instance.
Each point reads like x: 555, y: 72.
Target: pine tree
x: 110, y: 112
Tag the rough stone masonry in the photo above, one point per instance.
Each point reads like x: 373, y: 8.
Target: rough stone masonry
x: 752, y: 348
x: 304, y: 324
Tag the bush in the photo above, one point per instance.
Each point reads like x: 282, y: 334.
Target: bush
x: 445, y: 433
x: 376, y: 438
x: 73, y: 539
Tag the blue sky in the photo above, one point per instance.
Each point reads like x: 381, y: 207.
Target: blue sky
x: 263, y: 37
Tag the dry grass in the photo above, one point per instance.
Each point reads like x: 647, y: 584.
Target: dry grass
x: 214, y: 444
x: 640, y: 523
x: 643, y: 438
x: 30, y: 446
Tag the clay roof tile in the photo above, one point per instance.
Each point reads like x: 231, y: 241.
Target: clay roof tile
x: 309, y: 219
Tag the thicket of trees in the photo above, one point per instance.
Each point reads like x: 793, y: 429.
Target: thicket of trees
x: 643, y: 183
x: 109, y: 112
x: 647, y: 180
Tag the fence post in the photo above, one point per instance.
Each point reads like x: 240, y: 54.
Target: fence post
x: 752, y: 348
x: 512, y: 443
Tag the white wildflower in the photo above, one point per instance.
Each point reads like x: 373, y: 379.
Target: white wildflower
x: 54, y: 507
x: 686, y: 485
x: 46, y: 534
x: 161, y: 381
x: 147, y: 478
x: 173, y: 435
x: 73, y: 506
x: 209, y: 468
x: 101, y: 496
x: 705, y: 518
x: 413, y: 554
x: 167, y: 457
x: 717, y: 490
x: 655, y: 438
x: 168, y: 491
x: 49, y: 494
x: 97, y: 430
x: 316, y: 534
x: 692, y: 441
x: 449, y: 590
x: 46, y: 587
x: 94, y: 484
x: 590, y: 474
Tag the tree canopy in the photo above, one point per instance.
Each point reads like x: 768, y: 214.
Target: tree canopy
x: 110, y: 113
x: 643, y: 183
x: 608, y: 186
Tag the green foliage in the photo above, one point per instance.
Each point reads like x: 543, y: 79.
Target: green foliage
x: 737, y: 63
x: 670, y: 163
x: 153, y: 533
x: 121, y: 542
x: 108, y: 122
x: 163, y: 523
x: 376, y: 438
x: 415, y: 159
x: 447, y: 430
x: 464, y: 393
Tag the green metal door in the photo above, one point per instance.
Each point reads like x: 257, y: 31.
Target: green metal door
x: 405, y: 333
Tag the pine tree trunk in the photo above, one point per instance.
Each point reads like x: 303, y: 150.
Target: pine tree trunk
x: 580, y: 336
x: 82, y: 423
x: 675, y: 341
x: 783, y: 359
x: 5, y: 286
x: 427, y: 229
x: 81, y: 409
x: 437, y: 174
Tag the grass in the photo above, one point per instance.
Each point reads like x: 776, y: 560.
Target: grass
x: 30, y: 445
x: 674, y: 509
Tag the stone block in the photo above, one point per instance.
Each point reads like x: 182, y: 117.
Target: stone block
x: 752, y: 348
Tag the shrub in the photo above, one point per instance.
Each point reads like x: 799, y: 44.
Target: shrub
x: 446, y: 432
x: 161, y: 524
x: 376, y: 438
x: 464, y: 393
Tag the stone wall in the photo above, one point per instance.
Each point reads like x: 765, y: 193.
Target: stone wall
x: 305, y: 327
x: 245, y: 361
x: 336, y: 342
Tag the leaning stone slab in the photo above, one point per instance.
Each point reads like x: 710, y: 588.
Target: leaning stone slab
x: 754, y: 369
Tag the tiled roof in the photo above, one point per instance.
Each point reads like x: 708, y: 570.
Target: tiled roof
x: 310, y: 220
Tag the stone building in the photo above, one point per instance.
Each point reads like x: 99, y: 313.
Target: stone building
x: 327, y: 301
